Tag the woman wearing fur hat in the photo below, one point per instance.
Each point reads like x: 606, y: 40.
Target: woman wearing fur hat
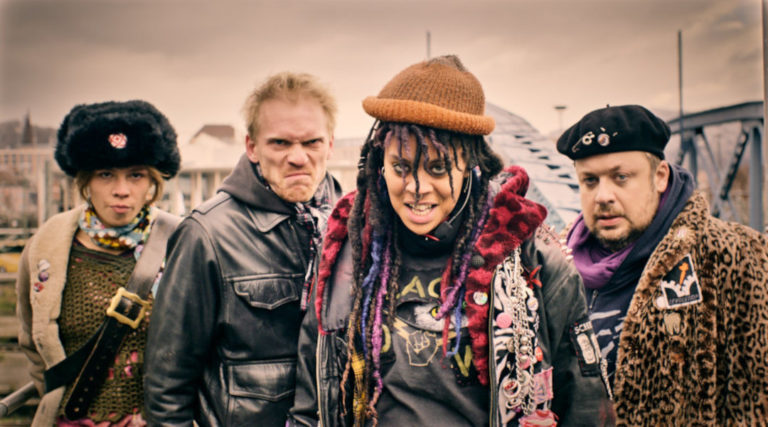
x: 437, y: 304
x: 102, y: 257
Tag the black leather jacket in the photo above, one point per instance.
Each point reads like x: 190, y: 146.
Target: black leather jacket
x: 579, y: 400
x: 580, y: 397
x: 223, y: 335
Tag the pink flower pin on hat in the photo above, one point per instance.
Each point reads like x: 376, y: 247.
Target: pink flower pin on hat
x: 118, y: 140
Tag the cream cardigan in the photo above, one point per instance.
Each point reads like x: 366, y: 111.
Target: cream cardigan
x: 39, y: 303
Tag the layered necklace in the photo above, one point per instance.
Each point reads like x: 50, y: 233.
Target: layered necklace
x: 129, y: 236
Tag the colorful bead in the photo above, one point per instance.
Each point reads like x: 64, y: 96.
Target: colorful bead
x: 525, y: 362
x: 480, y: 298
x: 504, y: 320
x: 533, y: 304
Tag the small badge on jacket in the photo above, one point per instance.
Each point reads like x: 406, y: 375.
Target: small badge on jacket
x: 680, y: 286
x: 587, y: 349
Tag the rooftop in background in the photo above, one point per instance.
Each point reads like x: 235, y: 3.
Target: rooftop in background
x: 222, y: 132
x: 213, y: 147
x: 553, y: 179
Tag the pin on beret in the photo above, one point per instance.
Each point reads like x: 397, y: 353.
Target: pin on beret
x: 116, y: 134
x: 614, y: 129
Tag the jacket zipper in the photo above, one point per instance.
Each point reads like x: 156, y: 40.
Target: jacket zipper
x: 317, y: 379
x: 491, y: 358
x: 592, y: 302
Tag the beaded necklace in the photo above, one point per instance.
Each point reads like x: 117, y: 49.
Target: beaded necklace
x: 129, y: 236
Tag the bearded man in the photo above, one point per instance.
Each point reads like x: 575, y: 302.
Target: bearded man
x: 677, y: 297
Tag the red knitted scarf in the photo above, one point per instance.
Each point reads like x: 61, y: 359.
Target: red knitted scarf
x: 512, y: 220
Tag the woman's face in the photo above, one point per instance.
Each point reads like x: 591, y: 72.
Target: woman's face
x: 422, y: 212
x: 118, y: 194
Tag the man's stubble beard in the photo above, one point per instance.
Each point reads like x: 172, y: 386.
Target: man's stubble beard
x: 615, y: 245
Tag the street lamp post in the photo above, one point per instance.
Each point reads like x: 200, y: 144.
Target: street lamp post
x: 560, y: 109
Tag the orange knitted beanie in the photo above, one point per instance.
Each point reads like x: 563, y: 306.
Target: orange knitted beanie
x: 438, y: 93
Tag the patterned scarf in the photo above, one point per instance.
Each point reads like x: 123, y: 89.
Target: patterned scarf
x: 129, y: 236
x: 599, y: 266
x: 312, y: 215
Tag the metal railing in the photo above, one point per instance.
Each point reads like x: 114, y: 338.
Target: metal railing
x: 17, y: 399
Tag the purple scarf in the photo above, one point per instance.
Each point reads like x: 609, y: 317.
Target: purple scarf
x: 598, y: 265
x: 595, y: 263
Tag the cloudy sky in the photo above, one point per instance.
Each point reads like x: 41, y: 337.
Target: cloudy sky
x: 196, y: 61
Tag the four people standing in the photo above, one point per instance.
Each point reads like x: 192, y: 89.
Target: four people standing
x: 678, y: 298
x: 440, y: 297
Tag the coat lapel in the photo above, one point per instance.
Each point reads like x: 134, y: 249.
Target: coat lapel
x: 49, y: 255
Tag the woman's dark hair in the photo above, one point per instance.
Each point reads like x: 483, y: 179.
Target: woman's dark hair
x: 377, y: 257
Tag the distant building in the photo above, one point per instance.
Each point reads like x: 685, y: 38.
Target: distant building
x: 206, y: 159
x: 224, y: 133
x: 30, y: 189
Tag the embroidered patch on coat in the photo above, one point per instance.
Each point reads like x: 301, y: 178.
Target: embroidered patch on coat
x: 680, y: 286
x: 587, y: 349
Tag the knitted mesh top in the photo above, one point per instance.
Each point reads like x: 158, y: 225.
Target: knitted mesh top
x: 93, y: 277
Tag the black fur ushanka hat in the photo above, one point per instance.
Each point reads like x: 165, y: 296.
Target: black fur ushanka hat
x: 114, y: 135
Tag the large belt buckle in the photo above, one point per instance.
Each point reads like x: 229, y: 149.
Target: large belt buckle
x: 122, y: 318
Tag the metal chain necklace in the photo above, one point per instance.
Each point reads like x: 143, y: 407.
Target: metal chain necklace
x: 516, y: 324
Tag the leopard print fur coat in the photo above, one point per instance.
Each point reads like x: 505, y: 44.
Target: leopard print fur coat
x: 701, y: 363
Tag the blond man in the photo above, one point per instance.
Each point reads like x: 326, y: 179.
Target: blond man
x: 224, y: 331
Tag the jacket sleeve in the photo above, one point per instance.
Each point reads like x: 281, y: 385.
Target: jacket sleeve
x: 580, y: 395
x: 182, y: 326
x: 744, y: 308
x: 24, y: 314
x: 305, y: 409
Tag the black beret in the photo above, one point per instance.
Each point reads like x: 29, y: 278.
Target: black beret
x: 613, y: 129
x: 115, y: 135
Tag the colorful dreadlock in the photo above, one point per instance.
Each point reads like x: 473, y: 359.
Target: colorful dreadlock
x: 377, y: 258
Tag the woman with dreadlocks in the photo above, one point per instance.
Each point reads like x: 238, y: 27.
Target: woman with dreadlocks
x: 436, y: 303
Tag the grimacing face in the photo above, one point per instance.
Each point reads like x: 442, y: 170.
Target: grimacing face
x: 118, y: 194
x: 293, y: 146
x: 620, y: 195
x: 422, y: 211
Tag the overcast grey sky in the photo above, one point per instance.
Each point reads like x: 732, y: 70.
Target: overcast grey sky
x: 196, y: 61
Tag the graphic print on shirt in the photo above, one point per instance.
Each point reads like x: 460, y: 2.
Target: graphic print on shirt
x: 416, y: 327
x: 608, y: 325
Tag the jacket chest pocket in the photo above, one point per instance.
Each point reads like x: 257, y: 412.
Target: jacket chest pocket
x: 263, y: 317
x: 267, y: 293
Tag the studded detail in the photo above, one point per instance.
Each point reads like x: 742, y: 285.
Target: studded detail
x: 477, y: 261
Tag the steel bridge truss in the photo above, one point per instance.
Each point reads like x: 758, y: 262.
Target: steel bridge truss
x: 695, y: 147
